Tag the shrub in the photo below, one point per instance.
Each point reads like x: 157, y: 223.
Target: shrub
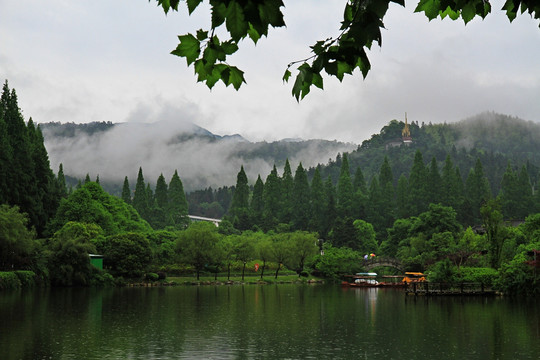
x: 486, y: 276
x: 152, y: 277
x: 9, y: 280
x: 27, y: 278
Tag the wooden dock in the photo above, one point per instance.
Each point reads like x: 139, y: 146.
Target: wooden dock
x: 444, y: 289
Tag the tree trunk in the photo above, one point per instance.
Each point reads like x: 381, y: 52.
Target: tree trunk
x: 277, y: 270
x: 243, y: 270
x: 262, y: 270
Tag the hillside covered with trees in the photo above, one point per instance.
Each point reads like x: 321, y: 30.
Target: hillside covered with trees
x: 461, y: 214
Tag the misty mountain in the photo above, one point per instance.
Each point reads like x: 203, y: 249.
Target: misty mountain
x: 113, y: 151
x: 495, y: 139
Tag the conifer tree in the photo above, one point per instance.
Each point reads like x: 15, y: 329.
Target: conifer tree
x: 508, y: 194
x: 330, y: 207
x: 178, y: 206
x: 140, y: 202
x: 402, y: 198
x: 318, y: 202
x: 240, y: 202
x: 61, y: 181
x: 387, y: 199
x: 301, y: 211
x: 161, y: 192
x: 272, y: 200
x: 345, y: 189
x: 360, y: 195
x: 477, y: 189
x: 126, y: 191
x: 257, y: 203
x: 287, y: 188
x: 434, y: 183
x: 525, y: 194
x: 417, y: 186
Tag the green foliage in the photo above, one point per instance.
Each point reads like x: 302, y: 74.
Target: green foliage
x: 518, y: 277
x: 16, y: 241
x: 91, y: 204
x: 27, y: 278
x: 360, y: 28
x: 9, y: 280
x: 69, y: 263
x: 336, y: 262
x: 442, y: 271
x: 486, y: 276
x: 197, y: 245
x: 127, y: 255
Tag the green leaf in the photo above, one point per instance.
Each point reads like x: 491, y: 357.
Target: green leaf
x: 286, y: 76
x: 318, y: 80
x: 236, y: 77
x: 189, y: 47
x: 219, y: 13
x: 192, y: 5
x: 229, y: 47
x: 468, y: 12
x: 253, y: 34
x: 431, y: 8
x: 270, y: 12
x: 235, y: 22
x: 202, y: 35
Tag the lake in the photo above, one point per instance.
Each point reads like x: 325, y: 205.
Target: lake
x: 263, y: 322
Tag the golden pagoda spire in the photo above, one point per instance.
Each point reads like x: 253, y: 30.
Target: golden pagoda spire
x: 406, y: 133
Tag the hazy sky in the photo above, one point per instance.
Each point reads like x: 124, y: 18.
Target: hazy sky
x: 108, y: 60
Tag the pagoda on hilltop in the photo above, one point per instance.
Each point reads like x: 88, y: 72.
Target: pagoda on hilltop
x: 406, y: 133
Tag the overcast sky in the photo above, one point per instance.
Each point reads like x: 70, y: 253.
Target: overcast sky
x: 109, y: 60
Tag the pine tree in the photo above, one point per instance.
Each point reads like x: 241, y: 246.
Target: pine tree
x: 301, y: 211
x: 330, y: 207
x: 525, y: 194
x: 509, y: 193
x: 318, y: 202
x: 257, y: 203
x: 418, y: 186
x: 434, y: 183
x: 345, y: 189
x: 61, y: 181
x: 239, y: 209
x: 477, y: 190
x: 287, y: 188
x: 140, y: 202
x: 178, y: 206
x: 161, y: 193
x: 272, y: 200
x: 126, y: 191
x: 402, y: 198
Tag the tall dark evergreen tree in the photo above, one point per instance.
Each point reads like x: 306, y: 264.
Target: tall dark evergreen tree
x: 61, y: 181
x: 345, y: 189
x: 402, y: 206
x: 239, y: 210
x: 272, y: 200
x: 330, y: 207
x: 178, y: 206
x: 418, y: 186
x: 301, y: 211
x: 287, y: 188
x: 126, y: 191
x: 525, y: 194
x: 162, y: 200
x: 318, y: 202
x: 477, y: 190
x: 434, y: 183
x: 140, y: 201
x: 509, y: 196
x: 257, y: 202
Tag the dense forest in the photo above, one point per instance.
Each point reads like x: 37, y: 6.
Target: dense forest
x: 472, y: 216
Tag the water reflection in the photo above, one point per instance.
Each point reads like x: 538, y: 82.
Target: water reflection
x: 269, y: 322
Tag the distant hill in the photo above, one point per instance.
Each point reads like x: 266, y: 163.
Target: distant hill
x: 495, y: 139
x: 203, y: 159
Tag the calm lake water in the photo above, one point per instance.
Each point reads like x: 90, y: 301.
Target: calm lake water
x: 263, y: 322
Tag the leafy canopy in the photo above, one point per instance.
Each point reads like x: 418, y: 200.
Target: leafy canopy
x: 336, y: 56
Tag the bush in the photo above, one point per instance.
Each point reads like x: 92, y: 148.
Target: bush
x: 486, y: 276
x: 27, y: 278
x: 9, y: 280
x: 161, y: 275
x: 101, y: 278
x: 152, y: 277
